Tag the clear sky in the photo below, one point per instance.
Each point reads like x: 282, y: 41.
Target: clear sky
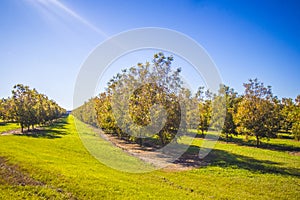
x: 43, y: 42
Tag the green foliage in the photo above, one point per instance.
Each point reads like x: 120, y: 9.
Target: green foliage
x: 104, y: 114
x: 258, y: 112
x: 1, y: 109
x: 296, y: 119
x: 287, y: 109
x: 6, y: 109
x: 232, y: 100
x: 28, y: 108
x: 205, y: 109
x: 87, y: 112
x: 156, y: 85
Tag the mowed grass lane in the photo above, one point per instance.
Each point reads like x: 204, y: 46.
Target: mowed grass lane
x: 56, y: 165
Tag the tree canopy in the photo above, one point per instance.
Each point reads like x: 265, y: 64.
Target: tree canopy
x: 148, y: 92
x: 28, y: 107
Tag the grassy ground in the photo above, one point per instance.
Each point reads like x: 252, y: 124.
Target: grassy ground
x: 8, y: 126
x: 54, y: 164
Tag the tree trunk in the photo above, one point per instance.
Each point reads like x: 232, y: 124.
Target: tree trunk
x: 22, y: 128
x: 162, y: 139
x: 257, y: 141
x: 226, y: 137
x: 141, y: 141
x: 118, y: 133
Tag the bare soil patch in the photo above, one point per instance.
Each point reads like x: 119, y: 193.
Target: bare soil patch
x: 295, y: 153
x: 26, y: 132
x: 12, y: 175
x: 11, y: 132
x: 150, y: 155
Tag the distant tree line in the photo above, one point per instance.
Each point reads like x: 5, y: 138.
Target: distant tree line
x: 257, y: 112
x: 29, y: 108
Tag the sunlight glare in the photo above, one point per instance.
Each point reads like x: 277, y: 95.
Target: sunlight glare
x: 48, y: 4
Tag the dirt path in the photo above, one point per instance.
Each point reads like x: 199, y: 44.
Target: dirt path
x: 12, y: 132
x: 18, y: 131
x: 147, y: 154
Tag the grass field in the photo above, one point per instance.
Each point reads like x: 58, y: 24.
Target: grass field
x: 8, y: 126
x: 54, y: 164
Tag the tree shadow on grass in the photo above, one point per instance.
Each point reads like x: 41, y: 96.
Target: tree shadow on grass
x: 263, y: 145
x: 250, y: 142
x: 59, y: 124
x: 4, y: 123
x: 56, y: 130
x: 44, y: 133
x: 226, y: 159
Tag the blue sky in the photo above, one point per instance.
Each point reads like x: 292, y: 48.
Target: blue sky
x: 43, y: 43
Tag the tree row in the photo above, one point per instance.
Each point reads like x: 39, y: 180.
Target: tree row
x: 29, y: 108
x: 149, y: 104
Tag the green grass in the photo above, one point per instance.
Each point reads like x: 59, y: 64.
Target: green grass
x: 57, y: 159
x: 8, y: 126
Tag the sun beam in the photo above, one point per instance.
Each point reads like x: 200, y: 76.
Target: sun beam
x: 59, y: 5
